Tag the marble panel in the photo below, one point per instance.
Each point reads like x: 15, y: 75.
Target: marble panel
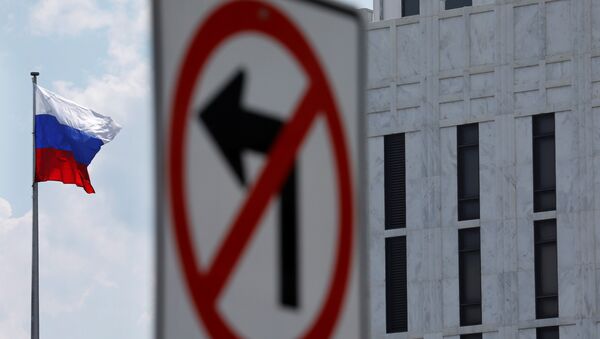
x: 452, y: 110
x: 595, y: 15
x: 482, y: 38
x: 596, y: 68
x: 568, y: 252
x: 510, y: 289
x: 528, y: 40
x: 559, y: 95
x: 596, y: 133
x: 450, y: 253
x: 596, y: 90
x: 526, y: 293
x: 394, y: 122
x: 558, y: 70
x: 433, y: 336
x: 378, y: 99
x: 379, y: 55
x: 376, y: 177
x: 527, y: 333
x: 524, y: 168
x: 491, y: 294
x: 509, y: 249
x: 424, y: 305
x: 558, y: 29
x: 488, y: 172
x: 448, y: 182
x: 527, y: 99
x: 491, y: 242
x: 452, y: 53
x: 454, y: 85
x: 410, y: 50
x: 482, y: 108
x: 567, y: 162
x: 483, y: 83
x: 525, y: 241
x: 526, y: 76
x: 571, y: 332
x: 415, y: 155
x: 409, y: 94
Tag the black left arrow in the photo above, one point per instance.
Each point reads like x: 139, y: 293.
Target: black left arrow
x: 234, y: 129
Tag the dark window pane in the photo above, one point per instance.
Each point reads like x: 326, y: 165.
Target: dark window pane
x: 470, y: 315
x: 469, y: 266
x: 544, y: 201
x: 548, y: 282
x: 543, y: 124
x: 468, y: 239
x: 471, y: 336
x: 470, y: 287
x: 546, y: 307
x: 468, y: 171
x: 546, y: 269
x: 545, y: 230
x: 450, y: 4
x: 467, y: 137
x: 543, y: 157
x: 544, y: 163
x: 395, y: 181
x: 547, y: 332
x: 395, y: 285
x: 468, y: 209
x: 410, y: 7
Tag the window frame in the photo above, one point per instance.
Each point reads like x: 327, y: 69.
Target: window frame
x: 390, y: 286
x: 394, y: 181
x: 462, y: 251
x: 537, y: 138
x: 462, y: 149
x: 539, y: 244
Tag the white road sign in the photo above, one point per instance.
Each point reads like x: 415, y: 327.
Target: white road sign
x: 259, y: 124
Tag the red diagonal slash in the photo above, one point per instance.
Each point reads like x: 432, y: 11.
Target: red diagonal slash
x: 206, y: 286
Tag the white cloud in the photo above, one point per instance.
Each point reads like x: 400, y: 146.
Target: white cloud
x: 75, y: 16
x: 5, y: 209
x: 95, y: 260
x: 85, y: 252
x: 15, y: 263
x: 124, y: 88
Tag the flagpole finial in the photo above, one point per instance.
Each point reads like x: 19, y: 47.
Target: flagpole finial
x: 34, y: 74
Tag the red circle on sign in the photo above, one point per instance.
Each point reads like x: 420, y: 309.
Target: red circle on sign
x: 205, y: 286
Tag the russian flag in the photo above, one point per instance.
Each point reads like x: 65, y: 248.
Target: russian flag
x: 67, y: 137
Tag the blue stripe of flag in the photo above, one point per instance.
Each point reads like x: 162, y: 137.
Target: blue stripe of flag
x: 49, y: 133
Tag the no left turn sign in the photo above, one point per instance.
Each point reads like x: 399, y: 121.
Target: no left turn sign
x: 259, y: 179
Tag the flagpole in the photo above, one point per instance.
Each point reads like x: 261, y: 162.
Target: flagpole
x: 35, y: 302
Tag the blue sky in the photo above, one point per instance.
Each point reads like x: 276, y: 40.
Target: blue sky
x: 95, y: 250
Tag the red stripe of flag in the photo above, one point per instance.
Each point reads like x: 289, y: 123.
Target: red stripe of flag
x: 56, y: 165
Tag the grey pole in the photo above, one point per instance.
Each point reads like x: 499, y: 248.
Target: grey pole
x: 35, y: 295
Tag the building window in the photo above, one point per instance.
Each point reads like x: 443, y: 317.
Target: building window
x: 544, y: 170
x: 546, y: 272
x: 471, y: 336
x: 395, y: 181
x: 467, y: 137
x: 410, y: 7
x: 547, y: 332
x: 450, y: 4
x: 395, y: 285
x: 469, y: 267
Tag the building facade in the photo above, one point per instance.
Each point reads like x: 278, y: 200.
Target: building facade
x: 484, y: 169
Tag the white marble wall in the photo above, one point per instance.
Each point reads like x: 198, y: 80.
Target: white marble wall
x: 496, y: 63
